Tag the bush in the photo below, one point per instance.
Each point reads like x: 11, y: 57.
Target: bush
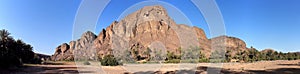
x: 36, y: 60
x: 109, y: 60
x: 203, y: 60
x: 173, y: 61
x: 171, y: 55
x: 190, y: 61
x: 152, y: 62
x: 86, y: 63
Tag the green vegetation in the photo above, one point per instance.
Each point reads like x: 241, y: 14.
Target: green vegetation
x: 191, y: 55
x: 157, y: 55
x: 15, y: 52
x: 125, y: 57
x: 86, y: 63
x: 217, y: 56
x: 148, y: 53
x: 203, y: 60
x: 194, y: 55
x: 172, y: 58
x: 228, y: 56
x: 253, y: 55
x: 109, y: 60
x: 173, y: 61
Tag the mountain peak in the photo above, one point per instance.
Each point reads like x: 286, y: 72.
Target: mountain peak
x: 148, y: 13
x: 154, y: 10
x: 148, y: 27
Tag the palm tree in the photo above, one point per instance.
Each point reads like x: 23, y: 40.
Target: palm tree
x: 4, y: 35
x: 4, y: 38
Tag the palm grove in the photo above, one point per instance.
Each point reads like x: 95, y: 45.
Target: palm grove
x: 14, y: 53
x: 195, y: 55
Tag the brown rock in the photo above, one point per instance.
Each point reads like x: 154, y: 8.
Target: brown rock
x: 268, y: 50
x: 60, y: 52
x: 149, y: 27
x: 66, y: 52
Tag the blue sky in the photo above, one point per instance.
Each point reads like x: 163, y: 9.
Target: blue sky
x: 45, y: 24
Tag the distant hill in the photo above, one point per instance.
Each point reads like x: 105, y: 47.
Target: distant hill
x: 43, y: 56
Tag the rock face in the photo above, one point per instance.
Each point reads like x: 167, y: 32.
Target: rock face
x: 66, y: 52
x: 62, y: 52
x: 233, y: 44
x: 143, y: 27
x: 268, y: 51
x: 230, y: 43
x: 149, y: 27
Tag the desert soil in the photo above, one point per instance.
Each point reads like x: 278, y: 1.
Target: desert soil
x: 262, y: 67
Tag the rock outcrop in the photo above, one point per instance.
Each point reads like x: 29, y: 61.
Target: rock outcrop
x: 149, y: 27
x: 227, y: 43
x: 66, y: 51
x: 231, y: 43
x: 267, y: 51
x: 62, y: 52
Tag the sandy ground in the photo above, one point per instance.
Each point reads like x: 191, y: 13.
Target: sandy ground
x: 262, y: 67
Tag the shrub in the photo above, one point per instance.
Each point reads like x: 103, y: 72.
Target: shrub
x: 173, y: 61
x: 86, y: 63
x: 157, y: 55
x: 144, y: 62
x: 190, y: 61
x: 35, y: 60
x: 191, y: 53
x: 204, y: 60
x: 109, y: 60
x: 171, y: 55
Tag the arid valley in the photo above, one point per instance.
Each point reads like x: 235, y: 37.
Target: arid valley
x: 149, y: 37
x: 261, y: 67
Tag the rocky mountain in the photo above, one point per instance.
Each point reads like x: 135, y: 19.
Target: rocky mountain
x: 147, y: 28
x: 66, y: 51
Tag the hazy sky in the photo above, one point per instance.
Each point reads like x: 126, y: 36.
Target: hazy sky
x: 45, y: 24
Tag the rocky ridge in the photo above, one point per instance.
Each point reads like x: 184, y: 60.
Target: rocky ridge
x: 147, y: 28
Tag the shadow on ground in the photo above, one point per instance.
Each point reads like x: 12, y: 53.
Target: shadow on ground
x: 43, y: 70
x: 203, y: 70
x: 277, y: 71
x: 290, y: 64
x: 53, y: 63
x: 38, y: 69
